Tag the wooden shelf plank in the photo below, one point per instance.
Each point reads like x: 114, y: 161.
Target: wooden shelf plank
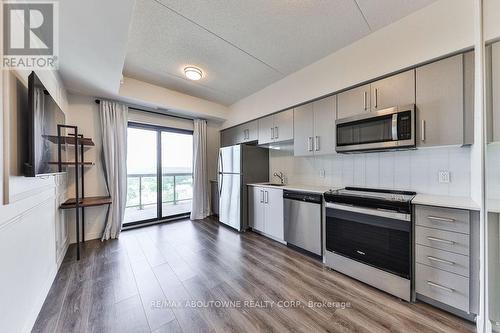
x: 72, y: 163
x: 87, y: 202
x: 70, y: 140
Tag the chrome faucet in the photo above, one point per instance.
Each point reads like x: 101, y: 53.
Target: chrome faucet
x: 281, y: 176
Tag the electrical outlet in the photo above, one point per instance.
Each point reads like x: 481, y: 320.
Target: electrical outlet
x: 444, y: 176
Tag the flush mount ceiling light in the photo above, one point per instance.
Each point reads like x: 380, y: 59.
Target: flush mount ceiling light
x: 193, y: 73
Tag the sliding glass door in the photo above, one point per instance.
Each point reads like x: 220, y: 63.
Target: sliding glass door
x: 158, y: 158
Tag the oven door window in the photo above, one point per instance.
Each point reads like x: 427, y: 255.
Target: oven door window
x: 365, y: 131
x: 380, y: 242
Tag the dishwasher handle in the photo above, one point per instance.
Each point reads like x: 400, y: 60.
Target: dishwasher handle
x: 303, y: 196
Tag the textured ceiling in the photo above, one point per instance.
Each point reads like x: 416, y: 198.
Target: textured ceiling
x: 243, y: 46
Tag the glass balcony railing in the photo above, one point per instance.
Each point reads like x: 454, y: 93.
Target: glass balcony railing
x: 142, y: 189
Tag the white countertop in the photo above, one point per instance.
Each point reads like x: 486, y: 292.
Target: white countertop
x: 420, y: 199
x: 445, y: 201
x: 297, y: 187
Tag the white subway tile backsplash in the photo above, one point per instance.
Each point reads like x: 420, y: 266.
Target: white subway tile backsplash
x: 407, y: 170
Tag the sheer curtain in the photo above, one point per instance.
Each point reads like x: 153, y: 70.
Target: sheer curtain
x: 114, y: 156
x: 200, y: 207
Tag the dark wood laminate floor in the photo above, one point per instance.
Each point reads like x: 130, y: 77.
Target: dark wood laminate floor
x: 200, y: 277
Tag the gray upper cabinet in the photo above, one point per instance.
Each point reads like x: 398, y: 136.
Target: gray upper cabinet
x: 493, y: 92
x: 248, y: 132
x: 440, y: 103
x: 303, y: 129
x: 283, y: 126
x: 276, y: 128
x: 314, y: 128
x: 324, y: 114
x: 396, y: 90
x: 229, y: 137
x: 266, y: 129
x: 353, y: 102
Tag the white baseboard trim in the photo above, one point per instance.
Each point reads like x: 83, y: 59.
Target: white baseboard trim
x: 88, y: 236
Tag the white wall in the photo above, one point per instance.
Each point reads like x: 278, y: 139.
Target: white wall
x: 84, y: 112
x: 415, y: 170
x: 33, y: 237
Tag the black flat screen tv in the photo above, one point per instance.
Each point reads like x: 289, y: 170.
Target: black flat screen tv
x: 43, y: 116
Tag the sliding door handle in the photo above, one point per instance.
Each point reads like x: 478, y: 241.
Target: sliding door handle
x: 422, y: 130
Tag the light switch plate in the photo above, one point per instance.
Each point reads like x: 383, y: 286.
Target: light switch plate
x: 444, y: 176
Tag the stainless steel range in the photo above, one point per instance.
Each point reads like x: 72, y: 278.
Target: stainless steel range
x: 369, y: 237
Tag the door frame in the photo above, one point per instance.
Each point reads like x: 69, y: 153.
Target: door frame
x: 158, y: 129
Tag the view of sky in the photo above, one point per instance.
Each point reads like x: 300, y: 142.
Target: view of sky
x: 177, y: 152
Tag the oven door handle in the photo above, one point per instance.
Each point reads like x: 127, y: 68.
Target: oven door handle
x: 370, y: 211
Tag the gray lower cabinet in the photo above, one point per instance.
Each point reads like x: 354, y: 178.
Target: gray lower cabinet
x: 444, y: 116
x: 445, y: 259
x: 314, y: 127
x: 353, y: 102
x: 265, y: 211
x: 276, y: 128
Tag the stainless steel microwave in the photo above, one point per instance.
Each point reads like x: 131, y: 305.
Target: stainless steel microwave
x: 388, y: 129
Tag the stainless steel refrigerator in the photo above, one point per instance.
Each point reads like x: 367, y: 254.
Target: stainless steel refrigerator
x: 238, y: 166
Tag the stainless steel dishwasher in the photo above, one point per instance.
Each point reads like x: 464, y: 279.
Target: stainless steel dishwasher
x: 303, y: 220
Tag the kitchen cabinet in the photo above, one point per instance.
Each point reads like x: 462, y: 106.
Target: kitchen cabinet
x: 243, y: 133
x: 247, y: 132
x: 276, y: 128
x: 229, y: 137
x: 314, y: 127
x: 265, y: 211
x: 493, y: 92
x: 353, y: 102
x: 447, y: 257
x: 443, y: 114
x: 395, y: 90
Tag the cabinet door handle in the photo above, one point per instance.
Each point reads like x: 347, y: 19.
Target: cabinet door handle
x: 441, y: 260
x: 248, y: 134
x: 266, y: 197
x: 272, y: 133
x: 316, y: 143
x: 432, y: 284
x: 276, y: 134
x: 310, y: 143
x: 422, y: 130
x: 364, y: 100
x: 376, y: 98
x: 261, y: 196
x: 441, y: 219
x: 440, y: 240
